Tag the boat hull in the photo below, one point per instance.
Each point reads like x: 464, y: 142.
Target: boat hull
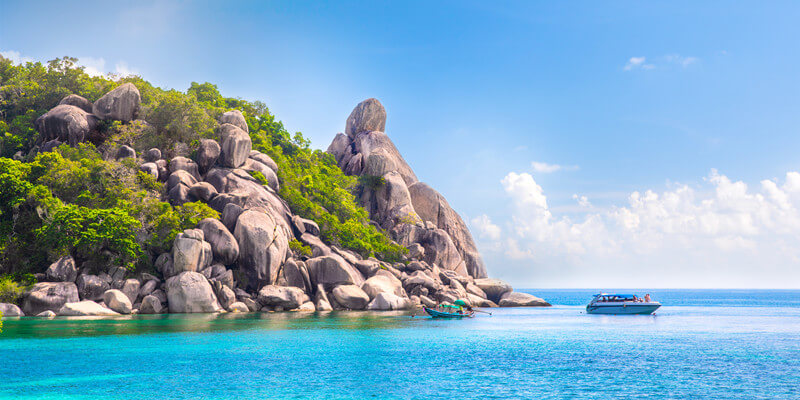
x: 626, y: 308
x: 438, y: 314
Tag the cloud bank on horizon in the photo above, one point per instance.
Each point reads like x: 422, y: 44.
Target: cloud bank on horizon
x: 659, y: 238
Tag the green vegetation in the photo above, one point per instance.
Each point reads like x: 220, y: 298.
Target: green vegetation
x: 103, y: 213
x: 106, y: 213
x: 299, y: 248
x: 259, y: 177
x: 317, y: 189
x: 371, y: 181
x: 10, y: 290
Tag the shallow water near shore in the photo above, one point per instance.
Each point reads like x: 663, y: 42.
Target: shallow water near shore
x: 701, y: 344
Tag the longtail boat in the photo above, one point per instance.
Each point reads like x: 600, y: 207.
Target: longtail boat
x: 448, y: 311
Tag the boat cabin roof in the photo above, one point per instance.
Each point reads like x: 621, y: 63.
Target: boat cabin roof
x: 615, y: 296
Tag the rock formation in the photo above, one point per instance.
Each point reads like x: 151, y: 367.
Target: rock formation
x: 84, y: 308
x: 67, y: 124
x: 50, y: 296
x: 411, y: 210
x: 120, y: 104
x: 77, y: 101
x: 242, y: 262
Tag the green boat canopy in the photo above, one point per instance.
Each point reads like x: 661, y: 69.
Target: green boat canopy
x: 460, y: 302
x: 448, y: 306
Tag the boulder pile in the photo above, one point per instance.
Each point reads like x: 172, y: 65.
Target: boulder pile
x: 242, y: 262
x: 416, y: 215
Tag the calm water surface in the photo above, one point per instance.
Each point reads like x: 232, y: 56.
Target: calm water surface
x: 701, y: 344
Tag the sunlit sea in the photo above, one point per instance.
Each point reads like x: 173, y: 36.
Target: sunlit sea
x: 702, y: 344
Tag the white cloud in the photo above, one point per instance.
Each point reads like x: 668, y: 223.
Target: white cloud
x: 720, y: 232
x: 486, y: 229
x: 122, y: 68
x: 635, y: 63
x: 583, y: 201
x: 524, y: 190
x: 546, y: 168
x: 678, y: 59
x: 93, y: 66
x: 638, y: 63
x: 15, y: 57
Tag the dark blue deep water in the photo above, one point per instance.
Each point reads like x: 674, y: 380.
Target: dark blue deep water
x: 707, y: 344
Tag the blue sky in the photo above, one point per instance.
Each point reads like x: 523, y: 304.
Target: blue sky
x: 695, y: 102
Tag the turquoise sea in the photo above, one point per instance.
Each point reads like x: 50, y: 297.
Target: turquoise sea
x: 702, y: 344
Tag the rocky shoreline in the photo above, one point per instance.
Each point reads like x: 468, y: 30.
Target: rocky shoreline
x: 243, y: 261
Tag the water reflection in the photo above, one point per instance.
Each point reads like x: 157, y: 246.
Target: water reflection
x: 171, y: 323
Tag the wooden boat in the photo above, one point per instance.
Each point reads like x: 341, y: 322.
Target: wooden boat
x: 456, y: 313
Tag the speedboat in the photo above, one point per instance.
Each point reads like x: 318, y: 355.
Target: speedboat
x: 604, y: 303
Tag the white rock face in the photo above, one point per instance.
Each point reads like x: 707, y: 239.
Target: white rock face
x: 433, y: 207
x: 225, y: 296
x: 387, y: 301
x: 333, y: 270
x: 350, y: 297
x: 440, y: 233
x: 207, y: 154
x: 131, y: 289
x: 223, y: 243
x: 235, y: 145
x: 264, y: 159
x: 63, y: 270
x: 77, y: 101
x: 67, y: 124
x: 286, y: 297
x: 518, y: 299
x: 382, y: 283
x: 121, y: 104
x: 184, y: 164
x: 10, y: 310
x: 252, y: 165
x: 151, y: 305
x: 234, y: 117
x: 50, y: 296
x: 307, y: 307
x: 263, y: 244
x: 117, y: 301
x: 238, y: 307
x: 190, y: 292
x: 84, y: 308
x: 187, y: 251
x: 477, y: 301
x: 46, y: 314
x: 369, y: 115
x: 494, y: 288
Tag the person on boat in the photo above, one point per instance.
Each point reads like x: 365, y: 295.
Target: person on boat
x: 647, y: 298
x: 635, y: 299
